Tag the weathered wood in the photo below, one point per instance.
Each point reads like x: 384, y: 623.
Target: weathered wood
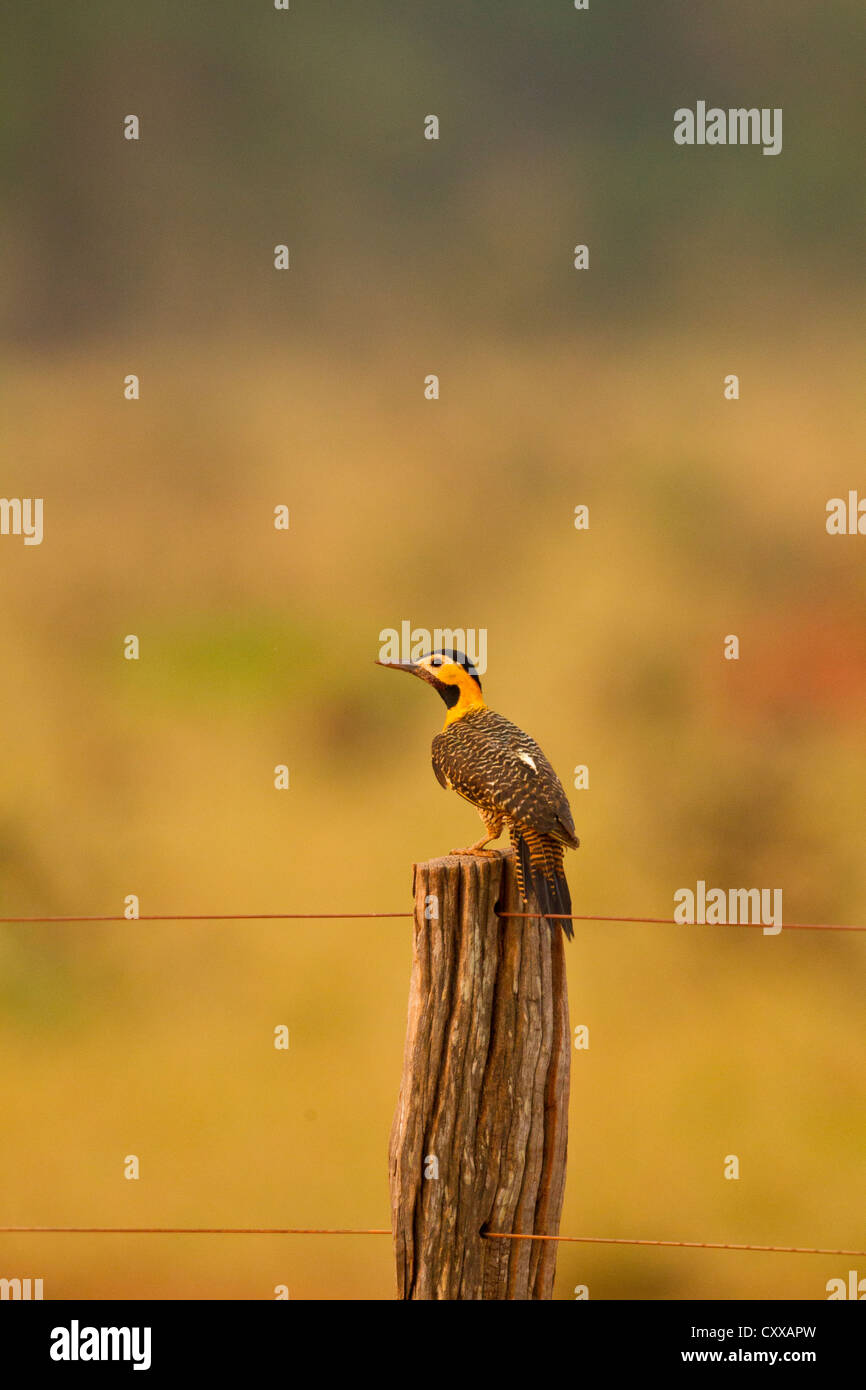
x: 483, y: 1107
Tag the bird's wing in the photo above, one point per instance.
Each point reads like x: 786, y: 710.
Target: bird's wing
x: 497, y: 766
x: 439, y: 764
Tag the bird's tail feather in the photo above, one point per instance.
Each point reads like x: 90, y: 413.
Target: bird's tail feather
x: 540, y: 865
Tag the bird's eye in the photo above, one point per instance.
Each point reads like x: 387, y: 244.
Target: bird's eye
x: 436, y: 661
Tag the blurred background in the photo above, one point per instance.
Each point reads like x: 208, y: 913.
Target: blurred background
x: 306, y: 388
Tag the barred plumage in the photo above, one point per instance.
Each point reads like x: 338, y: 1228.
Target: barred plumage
x: 502, y: 771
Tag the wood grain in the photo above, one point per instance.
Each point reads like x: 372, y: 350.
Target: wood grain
x: 483, y: 1105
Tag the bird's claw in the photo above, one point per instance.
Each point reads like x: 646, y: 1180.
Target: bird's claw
x: 478, y: 853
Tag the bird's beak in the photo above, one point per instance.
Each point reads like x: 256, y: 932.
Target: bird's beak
x: 411, y: 666
x: 400, y: 666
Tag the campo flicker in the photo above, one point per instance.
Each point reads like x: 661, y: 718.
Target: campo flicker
x: 502, y: 771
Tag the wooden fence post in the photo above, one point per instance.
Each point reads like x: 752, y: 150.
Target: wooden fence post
x: 479, y: 1136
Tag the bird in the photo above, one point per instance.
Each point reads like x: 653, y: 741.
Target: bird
x: 494, y: 765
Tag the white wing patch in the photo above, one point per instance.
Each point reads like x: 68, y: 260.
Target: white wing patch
x: 525, y: 758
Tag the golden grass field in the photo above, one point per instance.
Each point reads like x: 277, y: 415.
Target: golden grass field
x: 257, y: 647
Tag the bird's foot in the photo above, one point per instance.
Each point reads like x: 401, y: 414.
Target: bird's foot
x: 478, y: 852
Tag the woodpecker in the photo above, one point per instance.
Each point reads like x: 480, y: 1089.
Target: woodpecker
x: 504, y: 774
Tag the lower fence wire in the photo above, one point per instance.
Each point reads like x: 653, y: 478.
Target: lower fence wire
x: 385, y: 1231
